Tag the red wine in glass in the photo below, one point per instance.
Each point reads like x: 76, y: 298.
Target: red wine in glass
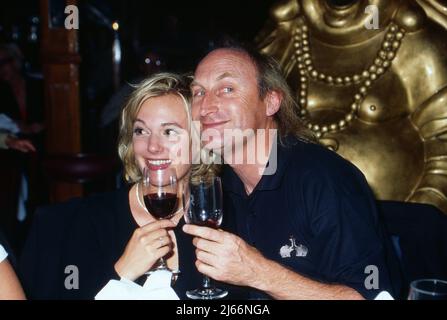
x: 161, y: 205
x: 209, y: 220
x: 210, y: 224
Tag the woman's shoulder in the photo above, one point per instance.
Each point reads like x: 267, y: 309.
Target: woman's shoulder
x: 106, y: 200
x: 83, y: 207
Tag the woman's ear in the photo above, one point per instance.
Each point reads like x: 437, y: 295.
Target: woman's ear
x: 272, y: 101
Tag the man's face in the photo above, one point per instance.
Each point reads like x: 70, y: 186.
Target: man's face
x: 225, y: 95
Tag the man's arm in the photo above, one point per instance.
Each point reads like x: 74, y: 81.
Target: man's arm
x: 282, y: 283
x: 227, y: 258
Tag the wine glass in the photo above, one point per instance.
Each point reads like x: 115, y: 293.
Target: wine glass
x: 159, y: 190
x: 428, y: 289
x: 205, y: 209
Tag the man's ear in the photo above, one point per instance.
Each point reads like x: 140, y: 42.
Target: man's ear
x: 272, y: 100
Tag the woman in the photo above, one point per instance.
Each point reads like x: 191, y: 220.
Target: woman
x: 10, y: 288
x: 74, y: 249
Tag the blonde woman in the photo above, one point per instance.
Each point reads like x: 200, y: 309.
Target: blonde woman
x: 112, y: 236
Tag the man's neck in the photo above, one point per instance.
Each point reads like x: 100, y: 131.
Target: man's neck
x: 251, y: 173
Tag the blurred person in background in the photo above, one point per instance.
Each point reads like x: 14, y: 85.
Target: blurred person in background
x: 10, y: 288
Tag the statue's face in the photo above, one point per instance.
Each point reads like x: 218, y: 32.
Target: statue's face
x: 345, y: 20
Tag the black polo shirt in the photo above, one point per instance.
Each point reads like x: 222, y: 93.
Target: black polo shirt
x: 316, y: 215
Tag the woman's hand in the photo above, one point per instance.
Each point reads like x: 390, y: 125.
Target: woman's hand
x: 147, y: 245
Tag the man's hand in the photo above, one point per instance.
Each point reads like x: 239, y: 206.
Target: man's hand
x: 225, y: 257
x: 19, y: 144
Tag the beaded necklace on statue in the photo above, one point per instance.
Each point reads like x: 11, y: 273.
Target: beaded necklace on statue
x: 387, y: 52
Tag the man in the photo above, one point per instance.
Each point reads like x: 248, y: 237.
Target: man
x: 308, y: 231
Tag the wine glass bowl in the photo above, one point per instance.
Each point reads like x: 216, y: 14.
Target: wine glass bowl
x: 428, y: 289
x: 205, y: 209
x: 161, y: 205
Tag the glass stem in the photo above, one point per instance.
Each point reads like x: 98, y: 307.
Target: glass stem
x: 207, y: 282
x: 162, y: 263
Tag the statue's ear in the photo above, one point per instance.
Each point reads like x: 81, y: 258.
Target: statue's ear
x: 272, y: 101
x: 285, y: 10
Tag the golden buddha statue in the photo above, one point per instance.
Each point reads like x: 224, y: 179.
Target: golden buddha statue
x: 378, y: 97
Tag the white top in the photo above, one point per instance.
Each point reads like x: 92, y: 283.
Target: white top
x: 384, y: 295
x: 3, y: 253
x: 156, y: 287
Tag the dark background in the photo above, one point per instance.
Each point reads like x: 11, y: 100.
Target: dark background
x: 180, y: 32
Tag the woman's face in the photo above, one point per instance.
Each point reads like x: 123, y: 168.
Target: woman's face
x: 161, y: 138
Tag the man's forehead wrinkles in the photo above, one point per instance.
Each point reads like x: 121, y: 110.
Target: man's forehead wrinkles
x: 219, y: 73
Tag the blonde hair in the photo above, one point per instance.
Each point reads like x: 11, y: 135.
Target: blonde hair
x: 157, y: 85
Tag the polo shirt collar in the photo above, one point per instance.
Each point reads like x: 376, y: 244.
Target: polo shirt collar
x: 233, y: 183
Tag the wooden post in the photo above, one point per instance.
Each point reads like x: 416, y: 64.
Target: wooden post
x: 61, y: 61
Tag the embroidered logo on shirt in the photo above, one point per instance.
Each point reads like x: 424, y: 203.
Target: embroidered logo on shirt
x: 300, y: 250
